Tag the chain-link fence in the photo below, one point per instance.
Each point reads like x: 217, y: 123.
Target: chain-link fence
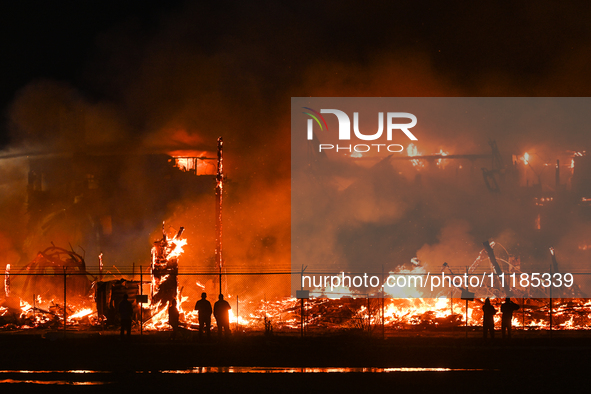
x: 260, y: 302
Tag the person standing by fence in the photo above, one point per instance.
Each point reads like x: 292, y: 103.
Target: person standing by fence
x: 203, y: 306
x: 125, y: 313
x: 488, y: 319
x: 221, y: 311
x: 507, y: 310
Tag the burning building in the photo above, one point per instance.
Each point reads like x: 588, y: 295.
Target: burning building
x: 105, y: 201
x: 100, y: 204
x: 105, y: 206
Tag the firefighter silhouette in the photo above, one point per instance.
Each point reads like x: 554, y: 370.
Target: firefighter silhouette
x: 221, y: 311
x: 203, y: 306
x: 507, y: 310
x: 488, y: 321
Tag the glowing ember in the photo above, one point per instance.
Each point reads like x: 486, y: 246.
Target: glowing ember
x: 81, y: 313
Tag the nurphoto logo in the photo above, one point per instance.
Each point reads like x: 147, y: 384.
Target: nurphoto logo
x: 345, y: 129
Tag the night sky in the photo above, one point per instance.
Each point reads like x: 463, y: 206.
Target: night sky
x: 535, y: 49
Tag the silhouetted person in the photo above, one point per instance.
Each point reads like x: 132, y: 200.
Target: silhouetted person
x: 507, y: 310
x: 222, y: 317
x: 488, y: 321
x: 203, y: 306
x: 125, y: 313
x: 173, y: 317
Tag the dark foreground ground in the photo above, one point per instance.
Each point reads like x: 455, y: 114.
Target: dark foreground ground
x: 153, y: 363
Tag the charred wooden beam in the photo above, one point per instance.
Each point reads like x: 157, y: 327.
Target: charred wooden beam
x: 164, y: 271
x: 496, y: 267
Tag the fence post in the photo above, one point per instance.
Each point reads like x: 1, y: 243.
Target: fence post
x: 383, y: 311
x: 302, y: 318
x: 141, y: 304
x: 368, y: 317
x: 466, y: 329
x: 65, y: 303
x: 523, y: 313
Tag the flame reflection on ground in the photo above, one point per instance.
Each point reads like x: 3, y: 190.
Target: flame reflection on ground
x: 312, y: 370
x: 53, y: 382
x: 237, y: 369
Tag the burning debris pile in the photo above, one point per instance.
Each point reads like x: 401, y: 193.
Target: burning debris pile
x: 164, y: 294
x: 54, y: 275
x: 58, y: 277
x: 321, y: 314
x: 57, y: 270
x: 53, y: 263
x: 324, y: 315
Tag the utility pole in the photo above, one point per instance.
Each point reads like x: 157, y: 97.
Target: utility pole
x: 219, y: 189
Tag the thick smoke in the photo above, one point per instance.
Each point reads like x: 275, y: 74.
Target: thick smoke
x: 393, y: 211
x: 180, y: 100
